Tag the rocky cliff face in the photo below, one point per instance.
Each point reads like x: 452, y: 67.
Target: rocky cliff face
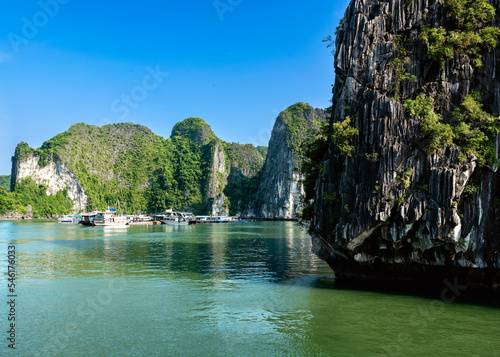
x: 129, y: 167
x: 391, y: 210
x: 217, y: 181
x: 280, y: 189
x: 227, y: 170
x: 240, y: 183
x: 55, y: 175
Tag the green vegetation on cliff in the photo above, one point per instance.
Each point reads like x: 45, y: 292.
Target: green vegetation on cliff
x: 262, y: 150
x: 5, y: 182
x: 342, y: 133
x: 114, y: 163
x: 10, y: 203
x: 245, y: 164
x: 189, y: 173
x: 469, y: 128
x: 314, y: 151
x: 194, y: 129
x: 473, y: 127
x: 247, y: 158
x: 23, y: 151
x: 299, y: 128
x: 27, y: 192
x: 436, y: 133
x: 128, y: 167
x: 466, y: 33
x: 399, y: 63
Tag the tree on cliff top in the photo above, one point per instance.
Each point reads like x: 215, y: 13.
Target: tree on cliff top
x: 195, y: 129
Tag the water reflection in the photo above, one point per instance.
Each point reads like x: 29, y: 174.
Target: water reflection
x: 245, y: 290
x: 218, y: 252
x: 111, y: 231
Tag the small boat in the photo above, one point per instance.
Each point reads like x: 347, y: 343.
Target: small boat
x: 69, y: 219
x: 200, y: 219
x: 214, y: 219
x: 221, y: 219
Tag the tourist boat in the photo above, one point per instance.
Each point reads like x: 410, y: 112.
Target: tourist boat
x: 239, y: 220
x: 210, y: 219
x: 177, y: 218
x: 109, y: 218
x: 88, y: 219
x: 69, y: 219
x: 140, y: 221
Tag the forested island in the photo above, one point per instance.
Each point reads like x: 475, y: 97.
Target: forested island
x: 128, y: 167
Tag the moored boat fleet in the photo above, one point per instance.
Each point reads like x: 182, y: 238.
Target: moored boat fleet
x: 110, y: 218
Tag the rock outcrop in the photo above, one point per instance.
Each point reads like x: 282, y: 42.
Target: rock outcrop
x: 55, y: 175
x: 217, y: 181
x: 281, y: 188
x: 227, y: 170
x: 12, y: 215
x: 240, y: 183
x: 127, y: 166
x: 391, y: 211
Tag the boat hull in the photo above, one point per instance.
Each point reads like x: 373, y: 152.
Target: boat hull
x: 141, y: 223
x: 175, y: 223
x: 110, y: 224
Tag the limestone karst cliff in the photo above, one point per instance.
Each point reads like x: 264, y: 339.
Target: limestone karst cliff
x: 128, y: 167
x: 280, y: 192
x: 403, y: 207
x: 55, y: 175
x: 227, y: 173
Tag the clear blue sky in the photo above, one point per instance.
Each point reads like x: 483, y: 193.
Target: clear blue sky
x: 234, y: 63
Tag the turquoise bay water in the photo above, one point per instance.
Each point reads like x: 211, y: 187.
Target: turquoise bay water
x: 213, y: 290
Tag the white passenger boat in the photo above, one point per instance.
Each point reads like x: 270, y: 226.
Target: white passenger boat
x: 210, y: 219
x: 69, y: 219
x: 140, y: 220
x: 109, y: 218
x: 177, y: 218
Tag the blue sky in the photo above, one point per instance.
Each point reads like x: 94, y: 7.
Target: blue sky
x: 234, y: 63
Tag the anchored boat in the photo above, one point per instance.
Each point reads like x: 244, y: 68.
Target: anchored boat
x: 109, y: 218
x: 177, y: 218
x: 69, y: 219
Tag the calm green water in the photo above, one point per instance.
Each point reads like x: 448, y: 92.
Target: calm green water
x: 213, y: 290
